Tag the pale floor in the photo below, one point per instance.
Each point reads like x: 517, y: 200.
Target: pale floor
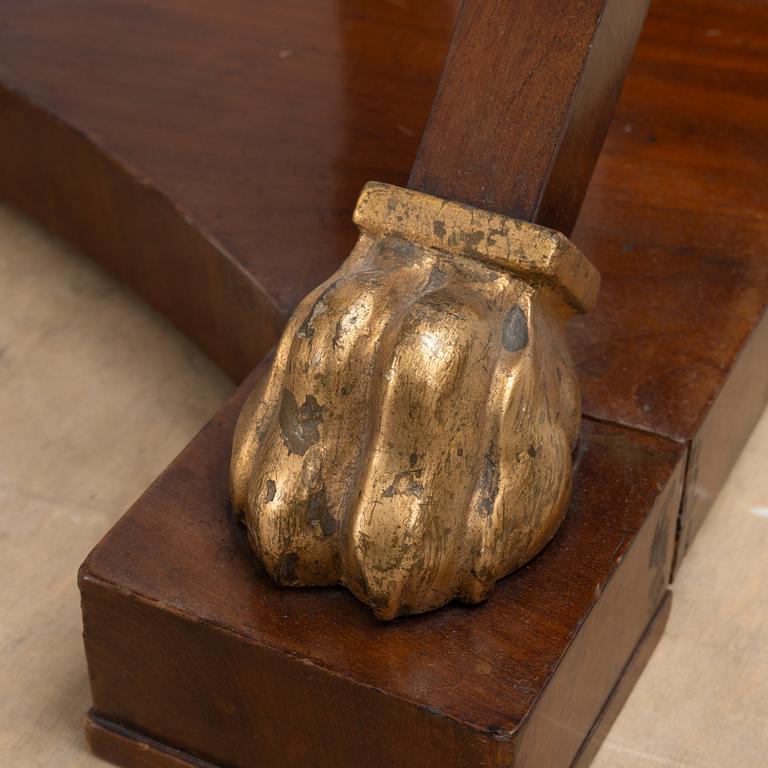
x: 98, y: 394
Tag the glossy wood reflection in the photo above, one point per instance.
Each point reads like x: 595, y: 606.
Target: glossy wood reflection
x: 210, y: 156
x: 524, y: 102
x: 216, y: 151
x: 226, y: 242
x: 449, y: 688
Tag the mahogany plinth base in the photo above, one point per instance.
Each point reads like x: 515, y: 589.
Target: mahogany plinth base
x: 626, y: 683
x: 130, y: 749
x: 210, y: 157
x: 190, y: 646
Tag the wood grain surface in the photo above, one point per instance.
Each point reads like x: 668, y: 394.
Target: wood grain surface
x: 523, y: 105
x: 525, y: 673
x: 121, y: 371
x: 103, y: 144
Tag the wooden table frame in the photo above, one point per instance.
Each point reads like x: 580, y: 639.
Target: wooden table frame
x: 673, y: 362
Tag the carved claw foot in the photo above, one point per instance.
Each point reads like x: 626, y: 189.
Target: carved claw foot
x: 413, y: 439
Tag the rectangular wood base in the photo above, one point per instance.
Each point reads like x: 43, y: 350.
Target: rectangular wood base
x: 129, y: 749
x: 191, y: 647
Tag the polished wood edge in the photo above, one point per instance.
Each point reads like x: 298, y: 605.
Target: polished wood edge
x: 610, y: 627
x: 606, y: 622
x: 127, y: 748
x: 590, y: 112
x: 723, y: 434
x: 631, y: 674
x: 93, y: 588
x: 493, y: 68
x: 147, y: 246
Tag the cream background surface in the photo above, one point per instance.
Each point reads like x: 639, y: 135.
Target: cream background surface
x: 98, y: 394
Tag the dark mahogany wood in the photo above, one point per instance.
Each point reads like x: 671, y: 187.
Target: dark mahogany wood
x: 719, y: 441
x: 105, y: 141
x: 526, y: 97
x: 210, y: 156
x: 675, y: 221
x: 623, y: 688
x: 123, y: 746
x: 188, y: 644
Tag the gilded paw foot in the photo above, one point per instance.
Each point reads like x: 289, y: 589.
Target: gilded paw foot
x: 413, y: 439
